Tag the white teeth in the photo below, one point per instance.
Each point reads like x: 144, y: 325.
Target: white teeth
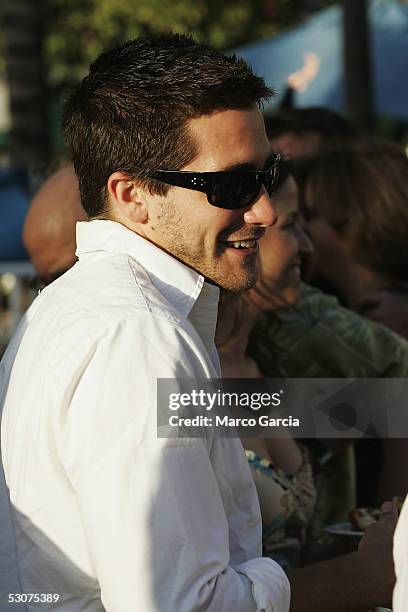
x: 247, y: 244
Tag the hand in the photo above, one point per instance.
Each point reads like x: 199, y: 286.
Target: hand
x: 375, y: 550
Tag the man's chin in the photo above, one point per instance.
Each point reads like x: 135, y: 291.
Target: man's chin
x: 236, y: 283
x: 230, y: 277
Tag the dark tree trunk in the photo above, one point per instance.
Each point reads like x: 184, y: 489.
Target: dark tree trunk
x: 357, y: 65
x: 25, y: 75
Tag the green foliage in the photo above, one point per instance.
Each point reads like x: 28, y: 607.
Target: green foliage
x: 78, y: 30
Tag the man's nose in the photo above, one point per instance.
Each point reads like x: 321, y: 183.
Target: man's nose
x: 262, y: 211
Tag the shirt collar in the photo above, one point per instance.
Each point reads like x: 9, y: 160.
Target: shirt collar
x: 204, y: 315
x: 180, y: 285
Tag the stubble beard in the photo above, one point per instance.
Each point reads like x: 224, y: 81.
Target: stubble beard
x: 214, y: 268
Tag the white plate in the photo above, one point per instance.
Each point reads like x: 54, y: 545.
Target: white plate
x: 344, y: 529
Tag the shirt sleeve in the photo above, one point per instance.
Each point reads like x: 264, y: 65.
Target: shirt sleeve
x: 151, y: 508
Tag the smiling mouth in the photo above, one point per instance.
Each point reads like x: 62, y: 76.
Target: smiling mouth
x: 241, y: 244
x: 247, y: 243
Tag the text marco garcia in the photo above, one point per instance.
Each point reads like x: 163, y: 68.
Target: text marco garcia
x: 229, y: 421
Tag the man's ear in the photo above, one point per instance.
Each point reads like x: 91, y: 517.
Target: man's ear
x: 127, y: 198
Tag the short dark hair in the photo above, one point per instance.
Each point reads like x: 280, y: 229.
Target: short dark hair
x: 361, y: 190
x: 129, y: 113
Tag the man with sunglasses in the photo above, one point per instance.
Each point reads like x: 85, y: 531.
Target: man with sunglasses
x: 176, y: 178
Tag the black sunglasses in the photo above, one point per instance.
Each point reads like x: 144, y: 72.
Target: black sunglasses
x: 226, y: 189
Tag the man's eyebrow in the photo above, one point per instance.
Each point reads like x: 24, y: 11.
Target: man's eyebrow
x: 250, y: 166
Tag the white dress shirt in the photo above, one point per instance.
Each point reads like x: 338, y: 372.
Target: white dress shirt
x: 103, y: 512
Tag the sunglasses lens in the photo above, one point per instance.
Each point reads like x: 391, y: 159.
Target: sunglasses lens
x: 235, y: 191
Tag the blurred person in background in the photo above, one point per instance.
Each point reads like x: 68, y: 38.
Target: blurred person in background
x: 355, y: 203
x: 280, y: 328
x: 301, y: 133
x: 49, y: 226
